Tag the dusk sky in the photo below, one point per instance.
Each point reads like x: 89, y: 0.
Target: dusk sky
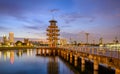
x: 30, y: 18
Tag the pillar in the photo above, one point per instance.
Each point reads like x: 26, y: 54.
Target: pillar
x: 54, y: 52
x: 49, y: 52
x: 75, y: 60
x: 37, y: 51
x: 82, y: 60
x: 40, y: 51
x: 117, y: 71
x: 67, y: 56
x: 82, y: 67
x: 71, y: 57
x: 64, y: 54
x: 44, y: 52
x: 58, y: 52
x: 90, y: 57
x: 95, y: 72
x: 96, y: 64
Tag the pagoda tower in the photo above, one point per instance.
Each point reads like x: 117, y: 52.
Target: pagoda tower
x: 53, y: 33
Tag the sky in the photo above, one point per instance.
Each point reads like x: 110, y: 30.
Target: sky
x: 30, y: 18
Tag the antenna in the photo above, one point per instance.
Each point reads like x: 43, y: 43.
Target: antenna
x: 52, y: 11
x: 52, y: 15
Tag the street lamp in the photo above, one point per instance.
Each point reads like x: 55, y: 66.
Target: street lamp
x: 87, y: 34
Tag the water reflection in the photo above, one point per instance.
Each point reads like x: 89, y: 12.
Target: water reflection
x: 7, y: 55
x: 29, y: 52
x: 53, y: 66
x: 19, y: 53
x: 33, y: 61
x: 25, y: 61
x: 0, y: 54
x: 11, y: 57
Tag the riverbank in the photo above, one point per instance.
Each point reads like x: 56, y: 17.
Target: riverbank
x: 16, y: 47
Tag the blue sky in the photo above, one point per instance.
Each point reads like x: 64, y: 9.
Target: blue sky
x: 29, y: 18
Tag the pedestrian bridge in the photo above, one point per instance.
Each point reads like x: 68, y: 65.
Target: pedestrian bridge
x: 109, y: 57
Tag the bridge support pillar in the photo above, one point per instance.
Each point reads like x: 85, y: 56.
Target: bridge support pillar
x: 82, y: 60
x: 58, y: 52
x: 44, y: 52
x: 54, y: 52
x: 117, y: 71
x: 82, y: 64
x: 71, y: 56
x: 96, y: 64
x: 64, y: 55
x: 67, y: 56
x: 82, y: 67
x: 37, y: 51
x: 90, y: 57
x: 95, y: 72
x: 75, y: 60
x: 49, y: 52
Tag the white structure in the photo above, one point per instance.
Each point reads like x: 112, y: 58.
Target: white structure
x: 63, y: 42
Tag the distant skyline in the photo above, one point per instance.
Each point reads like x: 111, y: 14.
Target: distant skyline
x: 30, y: 18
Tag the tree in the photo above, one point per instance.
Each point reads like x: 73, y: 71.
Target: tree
x: 18, y: 43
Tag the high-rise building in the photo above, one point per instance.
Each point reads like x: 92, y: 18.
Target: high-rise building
x: 11, y: 37
x: 53, y: 33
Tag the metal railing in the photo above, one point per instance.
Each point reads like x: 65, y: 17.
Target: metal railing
x: 103, y: 51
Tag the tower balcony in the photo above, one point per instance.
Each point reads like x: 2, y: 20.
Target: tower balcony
x: 53, y: 34
x: 52, y: 30
x: 52, y: 26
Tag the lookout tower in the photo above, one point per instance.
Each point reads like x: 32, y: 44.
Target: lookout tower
x: 53, y: 33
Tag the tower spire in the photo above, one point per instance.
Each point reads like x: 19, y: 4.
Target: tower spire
x: 52, y: 16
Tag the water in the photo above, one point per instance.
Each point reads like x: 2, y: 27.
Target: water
x: 25, y: 61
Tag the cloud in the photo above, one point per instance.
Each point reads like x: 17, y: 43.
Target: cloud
x: 9, y: 8
x: 2, y: 28
x: 37, y: 27
x: 32, y: 27
x: 65, y: 26
x: 54, y: 10
x: 73, y: 17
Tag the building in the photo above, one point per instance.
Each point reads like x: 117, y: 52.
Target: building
x: 11, y: 37
x: 5, y: 41
x: 26, y: 41
x: 63, y: 42
x: 101, y: 40
x: 53, y: 33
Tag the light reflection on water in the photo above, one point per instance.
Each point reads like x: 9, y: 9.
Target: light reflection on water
x: 26, y: 62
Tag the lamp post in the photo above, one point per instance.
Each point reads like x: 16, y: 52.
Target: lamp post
x: 87, y: 34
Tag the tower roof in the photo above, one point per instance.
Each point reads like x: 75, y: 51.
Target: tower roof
x: 53, y: 21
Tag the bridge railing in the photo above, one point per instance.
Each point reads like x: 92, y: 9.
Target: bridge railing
x: 103, y: 51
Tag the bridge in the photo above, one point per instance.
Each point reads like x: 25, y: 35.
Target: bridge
x: 109, y: 57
